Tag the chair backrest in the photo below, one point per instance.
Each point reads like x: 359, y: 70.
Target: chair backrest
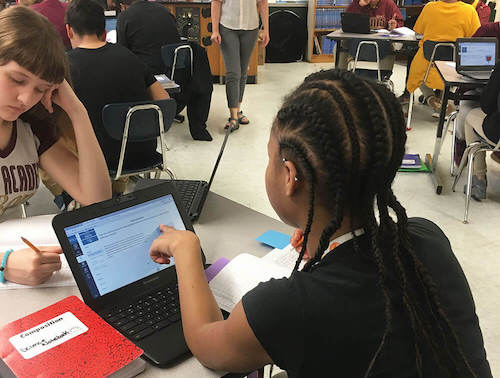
x: 442, y: 50
x: 138, y: 121
x: 177, y: 56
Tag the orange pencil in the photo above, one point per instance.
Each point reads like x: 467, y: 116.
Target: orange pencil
x: 29, y: 244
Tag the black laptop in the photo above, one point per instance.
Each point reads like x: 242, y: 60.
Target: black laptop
x: 355, y: 23
x: 476, y: 57
x: 193, y: 193
x: 107, y: 248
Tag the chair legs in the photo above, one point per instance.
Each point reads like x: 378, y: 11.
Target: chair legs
x: 453, y: 138
x: 410, y: 111
x: 469, y: 155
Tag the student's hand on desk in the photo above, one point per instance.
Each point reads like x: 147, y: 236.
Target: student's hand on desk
x: 27, y: 267
x: 364, y: 3
x: 392, y: 23
x: 171, y: 242
x: 296, y: 241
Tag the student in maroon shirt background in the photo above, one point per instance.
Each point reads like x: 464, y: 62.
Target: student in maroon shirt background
x: 55, y: 11
x: 384, y: 14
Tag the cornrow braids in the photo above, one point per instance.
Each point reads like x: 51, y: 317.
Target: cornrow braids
x: 347, y: 137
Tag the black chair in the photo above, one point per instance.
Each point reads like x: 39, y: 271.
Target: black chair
x: 177, y: 56
x: 139, y: 121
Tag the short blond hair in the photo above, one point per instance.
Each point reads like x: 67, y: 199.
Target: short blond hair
x: 30, y: 40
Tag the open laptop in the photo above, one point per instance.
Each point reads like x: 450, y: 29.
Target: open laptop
x: 355, y: 23
x: 193, y: 193
x: 107, y: 248
x: 476, y: 57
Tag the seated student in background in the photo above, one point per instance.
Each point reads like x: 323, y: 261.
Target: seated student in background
x: 144, y: 27
x: 104, y: 73
x: 484, y: 122
x: 373, y: 305
x: 33, y: 65
x: 442, y: 20
x: 490, y: 29
x: 384, y: 14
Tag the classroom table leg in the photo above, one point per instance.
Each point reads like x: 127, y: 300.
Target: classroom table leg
x: 337, y: 52
x: 439, y: 140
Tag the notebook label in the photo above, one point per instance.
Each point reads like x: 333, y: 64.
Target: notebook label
x: 47, y: 335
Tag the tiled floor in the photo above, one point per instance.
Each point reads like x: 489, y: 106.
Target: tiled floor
x: 241, y: 178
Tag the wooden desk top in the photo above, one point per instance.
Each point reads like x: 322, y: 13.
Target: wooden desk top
x: 340, y: 35
x: 451, y: 77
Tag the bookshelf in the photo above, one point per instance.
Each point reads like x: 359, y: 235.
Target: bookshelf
x: 323, y: 17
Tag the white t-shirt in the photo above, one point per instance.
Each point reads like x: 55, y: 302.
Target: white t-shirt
x: 239, y: 14
x: 19, y: 163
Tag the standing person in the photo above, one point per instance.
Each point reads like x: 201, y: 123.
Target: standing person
x: 54, y: 10
x: 144, y: 27
x: 235, y: 25
x: 381, y: 295
x: 442, y: 20
x: 33, y: 65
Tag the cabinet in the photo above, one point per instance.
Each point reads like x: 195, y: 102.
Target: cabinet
x: 194, y: 22
x: 323, y: 17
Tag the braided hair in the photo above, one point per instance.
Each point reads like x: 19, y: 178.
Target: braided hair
x: 346, y: 137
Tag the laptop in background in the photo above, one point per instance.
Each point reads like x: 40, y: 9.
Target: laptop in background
x: 355, y: 23
x: 476, y: 57
x: 107, y: 248
x: 193, y: 193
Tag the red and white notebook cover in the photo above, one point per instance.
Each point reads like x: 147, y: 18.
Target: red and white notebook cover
x: 66, y: 338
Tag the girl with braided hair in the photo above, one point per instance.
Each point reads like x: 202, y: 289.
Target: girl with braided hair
x: 380, y: 296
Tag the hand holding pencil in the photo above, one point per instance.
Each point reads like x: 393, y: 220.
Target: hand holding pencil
x: 34, y: 265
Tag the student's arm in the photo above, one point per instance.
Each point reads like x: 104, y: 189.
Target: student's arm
x: 84, y: 177
x: 156, y: 92
x: 228, y: 345
x: 354, y: 7
x: 263, y: 7
x: 215, y: 9
x: 474, y: 25
x: 394, y: 14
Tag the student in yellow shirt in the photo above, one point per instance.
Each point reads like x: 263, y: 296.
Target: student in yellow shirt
x: 444, y: 20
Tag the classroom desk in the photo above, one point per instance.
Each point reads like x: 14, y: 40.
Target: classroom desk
x: 225, y: 229
x: 451, y: 79
x: 339, y: 35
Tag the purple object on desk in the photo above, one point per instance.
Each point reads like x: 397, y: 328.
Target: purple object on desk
x: 215, y: 268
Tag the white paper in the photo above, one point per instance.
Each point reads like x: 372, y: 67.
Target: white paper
x: 241, y: 275
x: 47, y: 335
x: 286, y: 257
x: 403, y: 31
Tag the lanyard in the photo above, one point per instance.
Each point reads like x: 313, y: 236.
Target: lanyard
x: 342, y: 239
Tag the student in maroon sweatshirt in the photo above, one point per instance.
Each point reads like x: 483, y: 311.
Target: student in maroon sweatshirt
x: 384, y: 14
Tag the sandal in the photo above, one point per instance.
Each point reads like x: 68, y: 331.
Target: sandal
x: 241, y: 117
x: 232, y: 123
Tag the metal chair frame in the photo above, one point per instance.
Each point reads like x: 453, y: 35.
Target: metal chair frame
x: 469, y: 155
x: 176, y: 52
x: 157, y: 171
x: 431, y: 63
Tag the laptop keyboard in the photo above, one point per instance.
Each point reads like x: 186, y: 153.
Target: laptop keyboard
x: 187, y: 190
x: 147, y: 314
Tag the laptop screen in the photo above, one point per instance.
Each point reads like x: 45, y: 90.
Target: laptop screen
x: 112, y: 251
x: 475, y: 53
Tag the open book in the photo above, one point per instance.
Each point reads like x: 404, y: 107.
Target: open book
x: 37, y: 230
x: 246, y: 271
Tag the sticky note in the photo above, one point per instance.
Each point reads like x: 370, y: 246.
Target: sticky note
x: 274, y: 239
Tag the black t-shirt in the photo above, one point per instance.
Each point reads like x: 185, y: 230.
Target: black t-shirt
x: 144, y: 28
x: 110, y: 74
x: 330, y: 322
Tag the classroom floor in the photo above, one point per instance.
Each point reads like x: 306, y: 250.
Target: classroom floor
x: 241, y: 178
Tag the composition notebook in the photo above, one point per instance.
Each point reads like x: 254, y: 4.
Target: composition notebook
x: 67, y: 339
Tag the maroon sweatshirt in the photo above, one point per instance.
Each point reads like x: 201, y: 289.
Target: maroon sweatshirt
x: 380, y: 15
x: 490, y: 29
